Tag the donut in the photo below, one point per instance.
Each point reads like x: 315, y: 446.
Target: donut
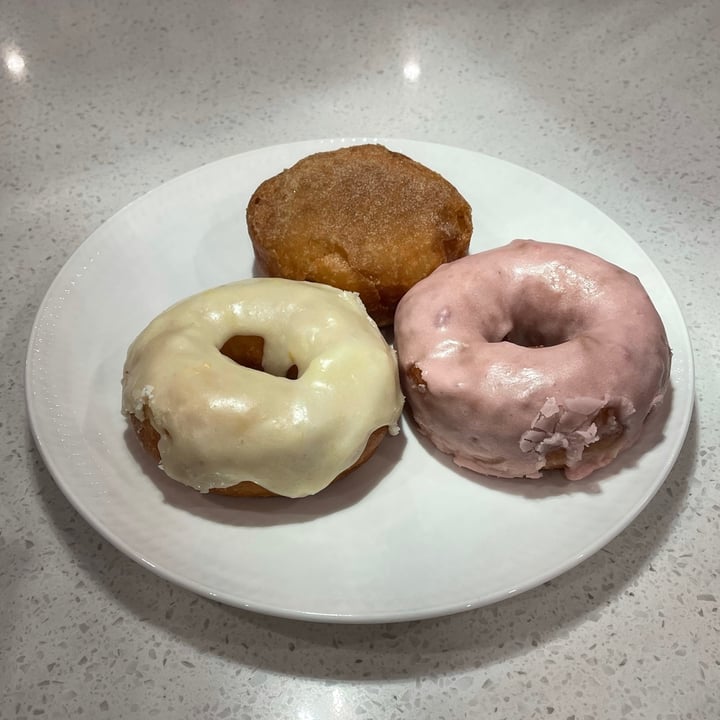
x: 360, y: 218
x: 262, y: 387
x: 531, y: 356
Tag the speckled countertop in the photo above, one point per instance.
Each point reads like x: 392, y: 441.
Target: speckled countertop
x: 102, y: 101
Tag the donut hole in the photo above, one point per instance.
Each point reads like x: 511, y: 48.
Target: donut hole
x: 540, y: 317
x: 536, y: 332
x: 248, y: 350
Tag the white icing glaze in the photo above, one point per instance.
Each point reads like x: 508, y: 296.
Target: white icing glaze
x: 487, y: 395
x: 221, y: 423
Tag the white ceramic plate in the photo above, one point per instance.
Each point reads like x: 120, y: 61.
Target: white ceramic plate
x: 408, y: 535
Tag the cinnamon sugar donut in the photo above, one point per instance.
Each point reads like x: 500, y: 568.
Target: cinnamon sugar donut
x: 261, y: 387
x: 531, y: 356
x: 360, y: 218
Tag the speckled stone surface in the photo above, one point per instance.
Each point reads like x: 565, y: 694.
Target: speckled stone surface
x: 101, y: 101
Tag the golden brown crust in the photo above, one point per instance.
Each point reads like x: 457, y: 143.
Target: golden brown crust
x: 360, y: 218
x: 556, y: 460
x: 149, y: 438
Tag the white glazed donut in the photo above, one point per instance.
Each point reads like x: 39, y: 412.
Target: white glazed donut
x: 218, y: 424
x: 531, y: 356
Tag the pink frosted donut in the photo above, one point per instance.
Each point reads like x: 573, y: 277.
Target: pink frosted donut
x: 531, y: 356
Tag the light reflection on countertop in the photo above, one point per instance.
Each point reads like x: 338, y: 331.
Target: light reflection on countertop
x: 411, y: 71
x: 14, y: 62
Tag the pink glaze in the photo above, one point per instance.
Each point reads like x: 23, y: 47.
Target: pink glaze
x: 518, y: 350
